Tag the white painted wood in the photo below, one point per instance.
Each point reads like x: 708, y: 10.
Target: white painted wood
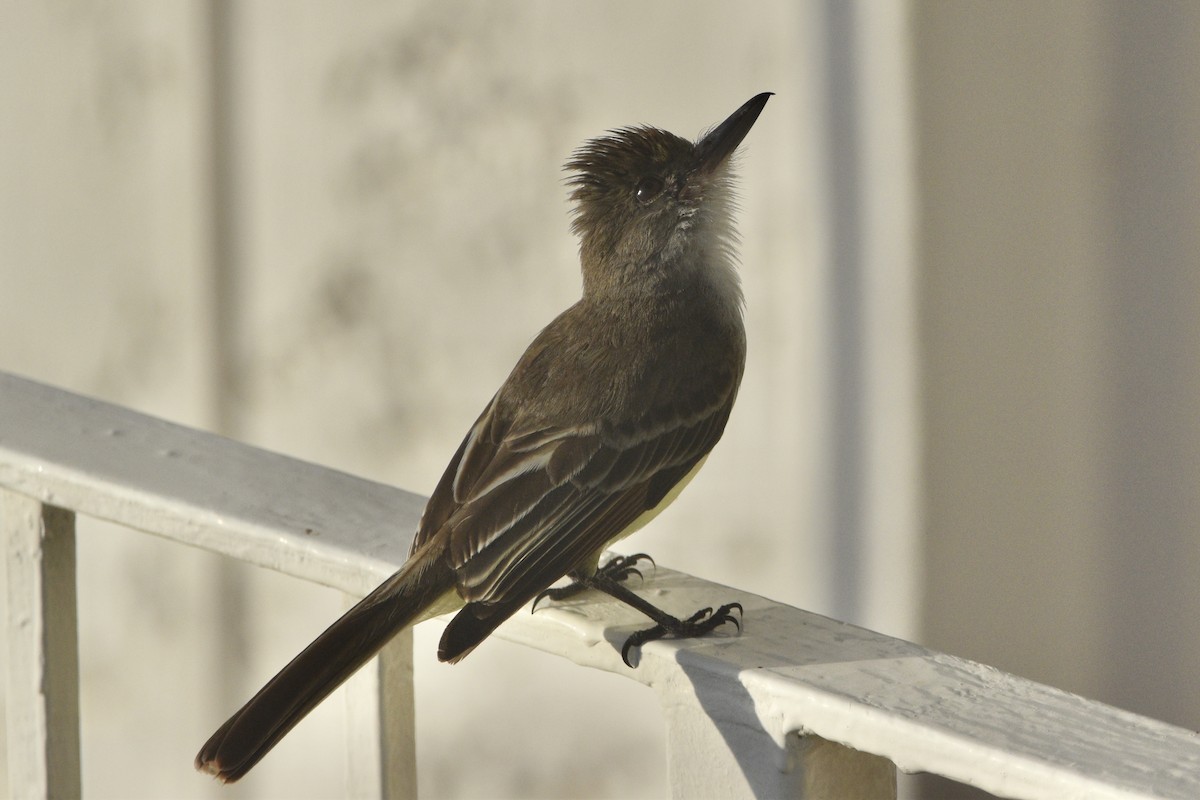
x: 716, y: 748
x: 792, y: 671
x: 42, y: 655
x: 109, y: 462
x: 789, y: 675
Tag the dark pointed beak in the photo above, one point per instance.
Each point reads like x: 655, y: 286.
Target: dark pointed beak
x: 716, y: 145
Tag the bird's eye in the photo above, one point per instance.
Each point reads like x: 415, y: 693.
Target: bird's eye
x: 648, y: 189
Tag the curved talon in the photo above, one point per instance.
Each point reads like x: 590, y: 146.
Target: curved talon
x: 621, y: 567
x: 703, y: 621
x: 640, y: 638
x: 627, y: 571
x: 636, y: 557
x: 723, y: 613
x: 619, y: 570
x: 552, y: 593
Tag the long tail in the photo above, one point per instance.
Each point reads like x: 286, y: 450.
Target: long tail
x: 325, y: 664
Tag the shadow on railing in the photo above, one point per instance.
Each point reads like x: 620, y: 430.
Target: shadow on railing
x: 798, y: 705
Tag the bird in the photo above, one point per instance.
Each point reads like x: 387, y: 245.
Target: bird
x: 605, y: 418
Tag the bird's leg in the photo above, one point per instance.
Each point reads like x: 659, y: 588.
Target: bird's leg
x: 618, y: 569
x: 608, y: 579
x: 667, y: 626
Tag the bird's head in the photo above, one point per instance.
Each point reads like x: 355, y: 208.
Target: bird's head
x: 648, y: 202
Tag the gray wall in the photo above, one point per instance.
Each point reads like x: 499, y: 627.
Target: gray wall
x: 1060, y: 338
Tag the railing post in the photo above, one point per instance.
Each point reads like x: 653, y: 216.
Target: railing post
x: 832, y: 771
x: 43, y: 652
x: 717, y: 747
x: 380, y: 721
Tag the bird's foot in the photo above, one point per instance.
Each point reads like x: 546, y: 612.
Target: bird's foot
x: 618, y: 568
x: 703, y: 621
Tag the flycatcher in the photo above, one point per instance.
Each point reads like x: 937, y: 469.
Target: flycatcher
x: 605, y: 418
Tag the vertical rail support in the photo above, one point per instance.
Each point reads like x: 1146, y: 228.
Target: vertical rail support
x: 719, y: 748
x: 830, y: 770
x: 380, y: 719
x: 43, y: 651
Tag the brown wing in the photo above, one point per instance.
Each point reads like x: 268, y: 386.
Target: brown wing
x: 547, y: 501
x: 526, y: 522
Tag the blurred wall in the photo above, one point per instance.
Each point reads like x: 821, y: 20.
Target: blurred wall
x: 1059, y: 178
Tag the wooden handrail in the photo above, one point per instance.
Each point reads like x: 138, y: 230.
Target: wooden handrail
x: 795, y: 705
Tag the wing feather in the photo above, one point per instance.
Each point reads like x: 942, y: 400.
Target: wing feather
x: 515, y: 537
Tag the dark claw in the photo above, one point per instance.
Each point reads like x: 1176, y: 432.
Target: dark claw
x: 609, y: 579
x: 540, y: 596
x: 619, y: 568
x: 703, y: 621
x: 558, y: 593
x: 627, y: 571
x: 640, y: 638
x: 724, y: 615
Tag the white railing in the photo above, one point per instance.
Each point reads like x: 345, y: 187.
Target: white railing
x: 798, y: 705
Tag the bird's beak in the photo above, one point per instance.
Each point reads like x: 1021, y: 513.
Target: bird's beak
x: 716, y: 145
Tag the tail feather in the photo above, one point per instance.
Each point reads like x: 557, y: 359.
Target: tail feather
x: 324, y: 665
